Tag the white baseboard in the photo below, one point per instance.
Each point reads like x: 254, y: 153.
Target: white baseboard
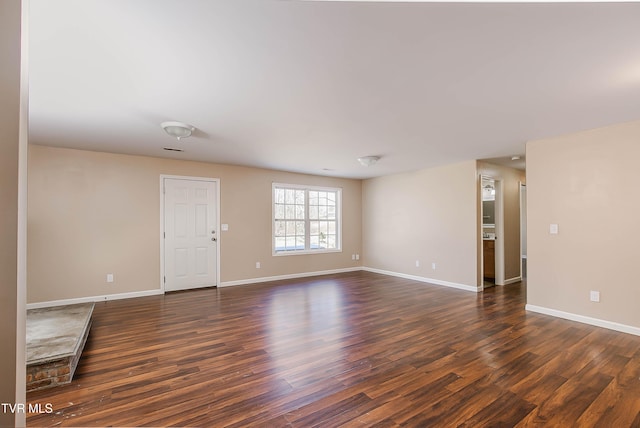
x: 106, y: 297
x: 289, y: 276
x: 424, y: 279
x: 512, y: 280
x: 102, y: 298
x: 584, y: 319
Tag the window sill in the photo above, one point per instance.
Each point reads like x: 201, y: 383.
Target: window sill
x: 304, y: 252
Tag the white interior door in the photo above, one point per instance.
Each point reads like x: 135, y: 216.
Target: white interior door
x: 190, y: 235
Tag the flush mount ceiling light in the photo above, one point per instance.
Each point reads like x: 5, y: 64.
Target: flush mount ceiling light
x: 178, y: 130
x: 515, y: 158
x: 368, y: 160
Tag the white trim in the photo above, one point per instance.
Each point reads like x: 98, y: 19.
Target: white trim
x: 305, y: 187
x: 424, y: 279
x: 134, y: 294
x: 305, y: 252
x: 522, y: 195
x: 611, y: 325
x: 512, y: 280
x: 187, y: 177
x: 289, y: 276
x: 102, y: 298
x: 499, y: 231
x: 216, y: 182
x: 21, y: 244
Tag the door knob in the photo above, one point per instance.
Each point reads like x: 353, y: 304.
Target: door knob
x: 214, y: 239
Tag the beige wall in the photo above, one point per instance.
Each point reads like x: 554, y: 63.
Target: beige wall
x: 511, y: 179
x: 587, y: 183
x: 95, y: 213
x: 11, y: 236
x: 428, y: 215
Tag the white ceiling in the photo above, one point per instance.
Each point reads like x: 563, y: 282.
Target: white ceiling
x: 310, y: 86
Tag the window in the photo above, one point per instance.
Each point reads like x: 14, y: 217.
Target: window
x: 305, y: 219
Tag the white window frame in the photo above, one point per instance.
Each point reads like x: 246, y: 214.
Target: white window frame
x: 307, y: 249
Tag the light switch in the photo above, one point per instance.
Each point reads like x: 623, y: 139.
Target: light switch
x: 224, y: 227
x: 553, y: 229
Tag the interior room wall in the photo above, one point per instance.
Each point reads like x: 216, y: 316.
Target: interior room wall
x: 587, y: 184
x: 94, y: 213
x: 11, y: 312
x: 511, y: 179
x: 427, y: 216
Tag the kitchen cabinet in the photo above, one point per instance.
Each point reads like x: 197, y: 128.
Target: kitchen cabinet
x: 489, y: 250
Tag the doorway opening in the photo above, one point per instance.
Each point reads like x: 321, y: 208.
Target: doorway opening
x: 491, y: 212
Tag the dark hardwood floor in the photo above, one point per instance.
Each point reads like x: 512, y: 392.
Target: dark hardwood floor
x: 355, y: 349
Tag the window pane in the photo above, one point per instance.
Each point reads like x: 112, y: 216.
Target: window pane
x: 291, y: 243
x: 331, y: 241
x: 323, y: 227
x: 314, y: 227
x: 290, y: 211
x: 313, y: 213
x: 300, y: 211
x: 291, y: 228
x: 279, y: 229
x: 331, y: 198
x: 332, y: 228
x: 300, y: 197
x: 300, y: 243
x: 280, y: 244
x: 279, y: 197
x: 331, y: 213
x: 322, y: 239
x: 322, y: 212
x: 289, y: 196
x: 279, y: 211
x: 300, y: 228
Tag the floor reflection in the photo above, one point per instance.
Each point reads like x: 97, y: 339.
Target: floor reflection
x: 303, y: 319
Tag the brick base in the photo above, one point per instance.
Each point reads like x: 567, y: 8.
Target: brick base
x: 52, y: 373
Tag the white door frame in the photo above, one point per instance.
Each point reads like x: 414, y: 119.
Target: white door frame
x: 216, y: 183
x: 523, y: 224
x: 499, y: 213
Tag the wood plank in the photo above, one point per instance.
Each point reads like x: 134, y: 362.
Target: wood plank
x: 352, y: 349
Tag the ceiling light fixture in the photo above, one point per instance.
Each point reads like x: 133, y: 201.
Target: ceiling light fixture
x: 515, y: 158
x: 178, y: 130
x: 368, y: 160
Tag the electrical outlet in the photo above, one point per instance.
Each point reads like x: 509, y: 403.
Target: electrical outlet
x: 357, y: 256
x: 417, y: 263
x: 433, y: 265
x: 257, y: 265
x: 353, y: 256
x: 594, y: 296
x: 109, y: 277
